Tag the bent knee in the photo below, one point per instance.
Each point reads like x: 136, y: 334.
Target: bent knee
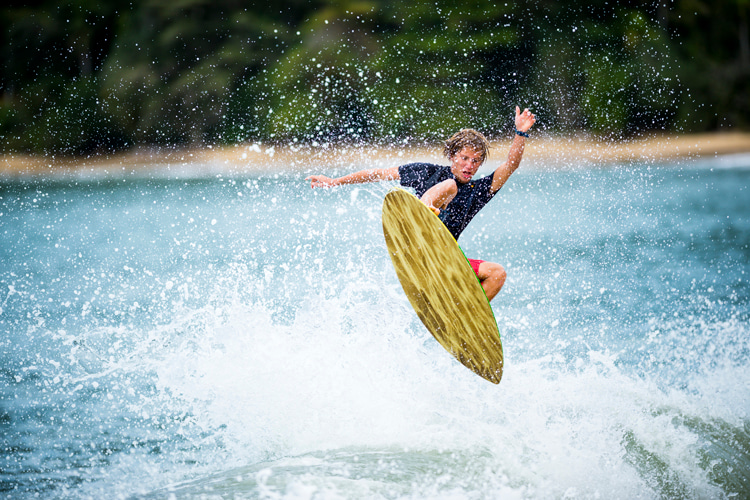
x: 490, y: 270
x: 500, y: 273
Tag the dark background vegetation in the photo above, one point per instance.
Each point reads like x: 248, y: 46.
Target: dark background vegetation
x: 84, y: 76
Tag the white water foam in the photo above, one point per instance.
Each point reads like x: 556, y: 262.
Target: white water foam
x: 297, y: 406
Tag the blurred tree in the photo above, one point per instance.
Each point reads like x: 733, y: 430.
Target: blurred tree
x: 317, y: 89
x: 601, y: 67
x: 714, y: 45
x: 169, y: 81
x: 421, y: 70
x: 53, y: 49
x: 81, y: 76
x: 443, y: 66
x: 74, y: 123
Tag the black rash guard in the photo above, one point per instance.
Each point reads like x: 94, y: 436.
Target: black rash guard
x: 470, y: 199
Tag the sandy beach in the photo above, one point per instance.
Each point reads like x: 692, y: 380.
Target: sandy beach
x: 543, y: 152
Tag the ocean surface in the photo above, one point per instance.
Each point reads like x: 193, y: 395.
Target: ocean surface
x: 243, y: 336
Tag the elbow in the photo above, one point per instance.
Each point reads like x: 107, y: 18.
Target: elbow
x: 441, y: 194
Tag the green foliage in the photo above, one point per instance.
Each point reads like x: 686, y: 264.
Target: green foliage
x: 357, y: 75
x: 82, y: 76
x: 434, y: 74
x: 715, y: 49
x: 607, y: 70
x: 628, y: 82
x: 604, y: 98
x: 170, y: 81
x: 318, y: 89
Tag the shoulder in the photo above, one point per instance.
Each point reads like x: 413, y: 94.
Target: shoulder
x: 420, y: 168
x: 487, y: 180
x: 418, y: 175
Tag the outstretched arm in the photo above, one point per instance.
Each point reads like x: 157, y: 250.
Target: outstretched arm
x: 372, y: 175
x: 524, y: 121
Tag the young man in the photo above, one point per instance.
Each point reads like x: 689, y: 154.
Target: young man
x: 450, y: 191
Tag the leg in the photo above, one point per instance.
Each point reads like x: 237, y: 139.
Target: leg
x: 492, y: 276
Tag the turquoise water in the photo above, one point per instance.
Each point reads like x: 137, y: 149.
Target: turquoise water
x: 246, y: 337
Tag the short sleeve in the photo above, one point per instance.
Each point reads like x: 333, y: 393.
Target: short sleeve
x: 422, y: 176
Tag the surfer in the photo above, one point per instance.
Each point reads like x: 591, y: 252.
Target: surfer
x: 450, y: 192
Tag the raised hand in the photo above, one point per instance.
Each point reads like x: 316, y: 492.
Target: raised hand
x: 525, y: 120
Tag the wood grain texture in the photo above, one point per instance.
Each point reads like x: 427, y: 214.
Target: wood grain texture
x: 440, y: 284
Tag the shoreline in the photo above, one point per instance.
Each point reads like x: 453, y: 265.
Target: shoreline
x: 542, y: 152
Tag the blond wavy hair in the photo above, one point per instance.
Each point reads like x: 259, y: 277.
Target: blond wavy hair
x: 467, y: 137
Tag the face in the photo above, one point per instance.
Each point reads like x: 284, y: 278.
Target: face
x: 465, y: 164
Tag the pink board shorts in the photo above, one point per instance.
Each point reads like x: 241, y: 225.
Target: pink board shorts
x: 475, y: 265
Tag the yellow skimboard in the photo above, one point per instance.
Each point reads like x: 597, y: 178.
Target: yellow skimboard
x: 440, y: 284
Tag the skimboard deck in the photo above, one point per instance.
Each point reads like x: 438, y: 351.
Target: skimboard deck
x: 440, y: 284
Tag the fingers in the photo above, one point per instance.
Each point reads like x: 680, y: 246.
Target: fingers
x: 526, y: 112
x: 525, y: 117
x: 318, y: 181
